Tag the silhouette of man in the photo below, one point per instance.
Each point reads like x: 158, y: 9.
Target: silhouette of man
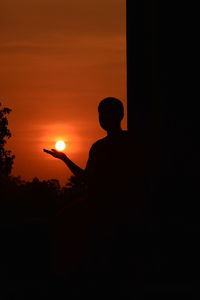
x: 113, y: 164
x: 113, y: 178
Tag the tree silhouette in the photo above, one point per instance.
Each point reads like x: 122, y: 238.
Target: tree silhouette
x: 6, y: 158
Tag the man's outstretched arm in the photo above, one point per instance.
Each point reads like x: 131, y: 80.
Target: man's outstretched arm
x: 76, y: 170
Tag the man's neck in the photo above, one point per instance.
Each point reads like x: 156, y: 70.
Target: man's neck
x: 114, y: 132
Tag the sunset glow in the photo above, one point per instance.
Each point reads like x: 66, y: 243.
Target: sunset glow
x: 60, y: 145
x: 58, y: 60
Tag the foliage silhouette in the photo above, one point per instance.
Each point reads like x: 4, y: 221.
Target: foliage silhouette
x: 35, y: 198
x: 6, y: 158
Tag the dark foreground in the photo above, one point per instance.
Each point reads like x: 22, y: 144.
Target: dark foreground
x: 41, y: 258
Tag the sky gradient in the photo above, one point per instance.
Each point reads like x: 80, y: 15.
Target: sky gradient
x: 58, y: 59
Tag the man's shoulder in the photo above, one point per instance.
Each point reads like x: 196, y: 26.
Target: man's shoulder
x: 126, y: 138
x: 106, y: 140
x: 99, y: 143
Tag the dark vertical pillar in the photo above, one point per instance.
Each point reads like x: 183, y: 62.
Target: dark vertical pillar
x: 143, y: 88
x: 162, y: 93
x: 142, y: 65
x: 143, y: 92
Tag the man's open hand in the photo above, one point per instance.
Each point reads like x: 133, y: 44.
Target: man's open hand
x: 55, y: 153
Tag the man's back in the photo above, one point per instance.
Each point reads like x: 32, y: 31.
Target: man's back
x: 114, y: 163
x: 114, y: 170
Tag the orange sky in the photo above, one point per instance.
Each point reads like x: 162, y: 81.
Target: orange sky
x: 58, y: 59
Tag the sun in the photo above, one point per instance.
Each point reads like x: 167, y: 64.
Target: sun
x: 60, y: 145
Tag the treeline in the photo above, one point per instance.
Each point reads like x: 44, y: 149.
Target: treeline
x: 19, y: 198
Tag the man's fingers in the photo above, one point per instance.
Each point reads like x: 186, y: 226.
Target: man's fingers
x: 47, y: 151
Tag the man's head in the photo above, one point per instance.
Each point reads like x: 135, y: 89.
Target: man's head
x: 111, y: 113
